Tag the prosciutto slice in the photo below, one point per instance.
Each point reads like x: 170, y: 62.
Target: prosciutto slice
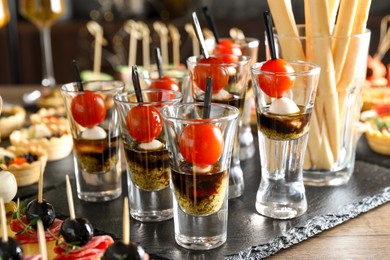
x: 31, y: 236
x: 95, y: 248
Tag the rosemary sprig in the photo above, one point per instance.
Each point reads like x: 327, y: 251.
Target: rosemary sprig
x: 69, y: 246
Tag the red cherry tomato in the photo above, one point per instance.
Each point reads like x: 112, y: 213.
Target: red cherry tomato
x: 165, y: 83
x: 227, y: 47
x: 276, y: 85
x: 382, y: 109
x: 201, y: 144
x: 144, y: 123
x: 88, y: 109
x: 211, y: 67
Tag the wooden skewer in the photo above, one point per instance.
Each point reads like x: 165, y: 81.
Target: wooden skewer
x: 236, y: 34
x: 145, y: 33
x: 126, y: 222
x: 175, y: 36
x: 207, y: 33
x: 3, y: 219
x: 162, y: 31
x: 42, y: 240
x: 70, y: 199
x: 195, y: 43
x: 40, y: 186
x: 131, y: 27
x: 384, y: 39
x: 96, y: 30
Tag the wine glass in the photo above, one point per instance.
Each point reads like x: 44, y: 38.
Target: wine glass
x: 43, y: 14
x: 4, y: 13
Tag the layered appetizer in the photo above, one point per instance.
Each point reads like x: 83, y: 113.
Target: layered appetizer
x: 95, y: 149
x: 146, y: 152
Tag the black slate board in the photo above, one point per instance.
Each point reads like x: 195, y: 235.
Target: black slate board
x: 250, y: 235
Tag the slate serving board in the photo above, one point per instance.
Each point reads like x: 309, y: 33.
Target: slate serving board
x: 250, y: 235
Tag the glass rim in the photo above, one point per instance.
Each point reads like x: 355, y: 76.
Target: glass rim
x: 302, y: 37
x: 245, y: 42
x: 242, y: 59
x: 234, y: 113
x: 178, y: 97
x: 313, y: 68
x: 117, y: 84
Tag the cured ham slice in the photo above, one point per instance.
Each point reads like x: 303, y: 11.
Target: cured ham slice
x: 95, y: 248
x: 31, y: 236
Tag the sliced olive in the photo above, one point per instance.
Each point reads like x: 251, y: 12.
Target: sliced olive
x: 77, y: 231
x: 11, y: 249
x: 44, y: 211
x: 118, y: 250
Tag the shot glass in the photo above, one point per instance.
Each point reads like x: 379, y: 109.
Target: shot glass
x: 229, y: 87
x: 284, y: 105
x: 178, y: 75
x: 95, y: 130
x: 249, y: 47
x: 200, y: 155
x: 145, y: 148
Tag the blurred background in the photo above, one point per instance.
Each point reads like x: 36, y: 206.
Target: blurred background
x: 20, y: 51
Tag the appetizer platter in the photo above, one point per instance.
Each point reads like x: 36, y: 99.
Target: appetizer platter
x: 44, y: 150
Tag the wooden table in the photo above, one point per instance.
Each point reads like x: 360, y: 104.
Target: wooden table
x: 365, y: 237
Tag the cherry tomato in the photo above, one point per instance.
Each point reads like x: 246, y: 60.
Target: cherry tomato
x: 165, y: 83
x: 17, y: 160
x: 88, y: 109
x: 201, y: 144
x: 144, y: 123
x: 211, y: 67
x: 227, y: 47
x: 275, y: 85
x: 382, y: 109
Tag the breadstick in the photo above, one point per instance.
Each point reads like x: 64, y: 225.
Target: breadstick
x: 355, y: 47
x: 285, y: 25
x: 333, y: 6
x: 342, y: 30
x: 319, y: 51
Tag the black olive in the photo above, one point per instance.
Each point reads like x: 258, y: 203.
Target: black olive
x: 118, y: 250
x: 43, y: 211
x: 77, y: 231
x: 11, y: 249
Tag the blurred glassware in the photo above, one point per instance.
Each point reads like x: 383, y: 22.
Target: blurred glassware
x: 4, y: 13
x: 43, y: 14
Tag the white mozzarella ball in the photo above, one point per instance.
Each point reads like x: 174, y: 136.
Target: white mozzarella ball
x: 8, y: 186
x: 153, y: 145
x: 283, y: 106
x: 94, y: 133
x: 198, y: 169
x: 222, y: 95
